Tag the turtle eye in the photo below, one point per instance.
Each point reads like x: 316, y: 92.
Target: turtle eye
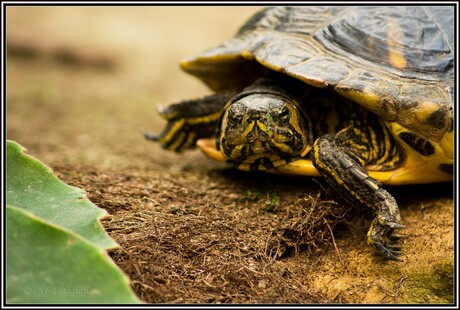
x: 236, y: 113
x: 284, y: 117
x: 236, y: 118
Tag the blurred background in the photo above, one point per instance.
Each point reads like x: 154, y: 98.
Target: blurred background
x: 84, y: 81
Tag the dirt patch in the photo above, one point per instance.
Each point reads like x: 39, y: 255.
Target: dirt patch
x: 211, y: 237
x: 220, y: 236
x: 191, y: 230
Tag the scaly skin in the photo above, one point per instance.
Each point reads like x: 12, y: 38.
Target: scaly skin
x: 348, y: 176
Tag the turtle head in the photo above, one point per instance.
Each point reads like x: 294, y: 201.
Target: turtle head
x: 260, y: 131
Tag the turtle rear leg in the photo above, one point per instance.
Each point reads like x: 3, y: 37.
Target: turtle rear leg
x: 189, y: 121
x: 341, y: 159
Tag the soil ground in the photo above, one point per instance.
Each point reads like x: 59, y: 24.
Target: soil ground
x: 82, y: 85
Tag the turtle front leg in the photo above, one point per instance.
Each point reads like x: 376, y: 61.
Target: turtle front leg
x: 343, y: 169
x: 189, y: 121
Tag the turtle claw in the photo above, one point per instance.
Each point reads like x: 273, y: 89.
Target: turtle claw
x: 160, y: 108
x: 395, y: 237
x: 395, y: 225
x: 152, y: 136
x: 169, y: 113
x: 387, y: 252
x: 394, y: 248
x: 381, y: 237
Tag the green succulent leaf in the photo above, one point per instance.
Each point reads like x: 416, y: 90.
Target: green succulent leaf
x: 32, y: 186
x: 55, y: 244
x: 47, y: 263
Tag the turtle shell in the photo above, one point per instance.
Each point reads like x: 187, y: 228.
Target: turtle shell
x: 395, y: 61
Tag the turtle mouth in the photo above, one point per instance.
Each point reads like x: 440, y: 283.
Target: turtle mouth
x: 261, y: 153
x: 261, y: 160
x: 258, y: 163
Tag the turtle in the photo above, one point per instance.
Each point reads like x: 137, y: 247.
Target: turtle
x: 361, y: 96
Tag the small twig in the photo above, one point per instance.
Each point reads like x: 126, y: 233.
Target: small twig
x: 143, y: 285
x: 397, y: 286
x: 209, y: 285
x: 333, y: 242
